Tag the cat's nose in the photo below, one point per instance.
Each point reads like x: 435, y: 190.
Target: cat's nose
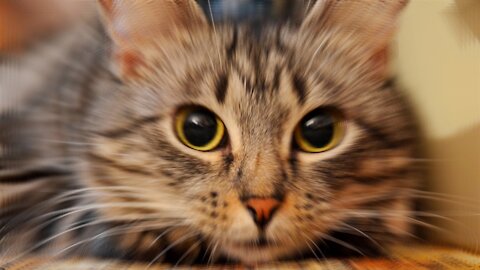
x: 262, y: 210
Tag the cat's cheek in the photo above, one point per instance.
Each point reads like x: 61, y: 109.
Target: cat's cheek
x: 281, y: 229
x: 400, y: 225
x: 283, y: 222
x: 386, y: 161
x: 294, y: 217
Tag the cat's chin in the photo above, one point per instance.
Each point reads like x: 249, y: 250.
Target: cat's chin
x: 251, y: 254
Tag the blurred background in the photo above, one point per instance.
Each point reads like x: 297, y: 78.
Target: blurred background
x: 436, y: 57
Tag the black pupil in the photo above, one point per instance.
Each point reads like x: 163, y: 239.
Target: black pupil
x: 200, y: 127
x: 318, y: 128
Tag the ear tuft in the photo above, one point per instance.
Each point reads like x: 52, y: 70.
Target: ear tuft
x: 371, y: 24
x: 107, y: 5
x: 129, y: 61
x: 134, y: 23
x: 146, y: 20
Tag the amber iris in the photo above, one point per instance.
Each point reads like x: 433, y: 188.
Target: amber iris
x: 199, y: 128
x: 319, y: 131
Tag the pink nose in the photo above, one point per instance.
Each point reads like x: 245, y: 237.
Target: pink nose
x: 262, y: 210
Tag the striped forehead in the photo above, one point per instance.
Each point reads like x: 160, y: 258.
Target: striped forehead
x: 263, y: 66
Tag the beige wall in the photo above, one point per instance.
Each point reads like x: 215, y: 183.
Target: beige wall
x: 438, y: 61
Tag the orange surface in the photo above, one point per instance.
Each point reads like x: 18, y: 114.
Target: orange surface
x: 402, y: 258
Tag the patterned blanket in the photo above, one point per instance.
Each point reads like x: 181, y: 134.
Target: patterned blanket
x: 402, y: 258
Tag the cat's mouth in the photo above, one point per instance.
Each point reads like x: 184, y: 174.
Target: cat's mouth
x: 255, y: 251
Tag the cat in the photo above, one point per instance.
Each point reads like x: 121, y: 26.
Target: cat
x: 151, y: 134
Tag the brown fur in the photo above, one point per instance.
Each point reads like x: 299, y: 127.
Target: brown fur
x: 260, y: 84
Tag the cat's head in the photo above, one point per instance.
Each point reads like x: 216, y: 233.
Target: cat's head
x: 259, y: 142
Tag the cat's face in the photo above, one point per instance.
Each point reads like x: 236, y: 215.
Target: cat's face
x: 260, y: 145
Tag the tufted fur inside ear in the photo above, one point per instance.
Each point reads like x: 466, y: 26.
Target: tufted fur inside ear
x: 134, y: 23
x: 370, y: 23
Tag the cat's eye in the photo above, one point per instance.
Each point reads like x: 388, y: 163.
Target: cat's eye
x: 319, y: 131
x: 199, y: 128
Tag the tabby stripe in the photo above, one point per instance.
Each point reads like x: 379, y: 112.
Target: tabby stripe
x: 381, y: 178
x: 50, y: 226
x: 82, y: 220
x: 259, y: 72
x: 136, y: 124
x: 233, y: 46
x: 116, y: 165
x: 243, y: 77
x: 293, y: 161
x: 221, y: 88
x: 379, y: 136
x: 299, y: 88
x: 395, y: 175
x: 228, y: 161
x: 276, y: 78
x: 389, y: 83
x: 278, y: 42
x: 32, y: 174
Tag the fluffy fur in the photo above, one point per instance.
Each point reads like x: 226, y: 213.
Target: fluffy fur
x: 91, y: 164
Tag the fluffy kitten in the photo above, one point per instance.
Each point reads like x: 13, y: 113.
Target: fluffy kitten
x: 182, y: 141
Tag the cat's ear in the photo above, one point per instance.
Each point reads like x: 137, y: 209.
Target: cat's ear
x: 371, y: 24
x: 134, y: 23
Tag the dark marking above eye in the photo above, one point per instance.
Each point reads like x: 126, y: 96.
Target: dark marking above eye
x: 221, y: 88
x: 213, y: 194
x: 299, y: 88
